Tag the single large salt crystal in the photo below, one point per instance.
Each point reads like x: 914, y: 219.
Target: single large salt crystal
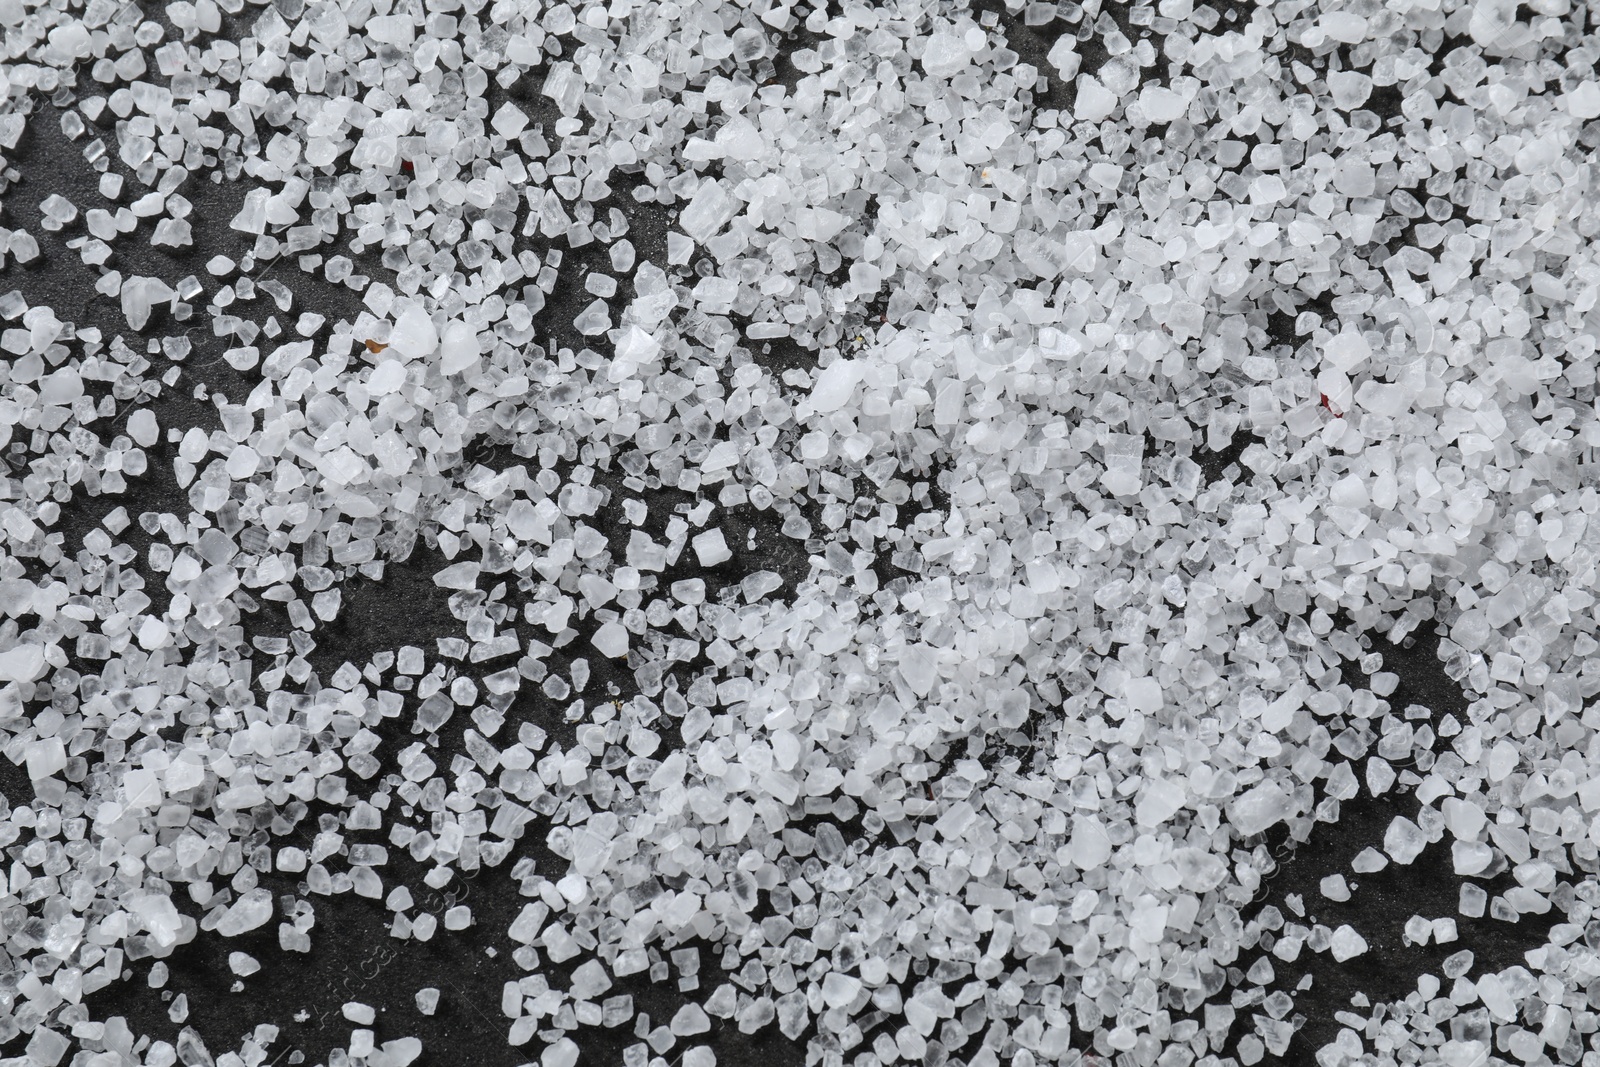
x: 835, y: 385
x: 1404, y: 840
x: 1347, y: 944
x: 1159, y: 801
x: 459, y: 348
x: 1161, y: 104
x: 944, y: 55
x: 1347, y: 350
x: 414, y: 335
x: 1091, y: 845
x: 611, y: 640
x: 249, y: 912
x: 1095, y: 101
x: 1253, y: 811
x: 389, y: 376
x: 1584, y: 101
x: 23, y: 663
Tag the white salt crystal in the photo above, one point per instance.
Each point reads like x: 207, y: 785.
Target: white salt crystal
x: 1254, y: 811
x: 1368, y: 861
x: 1492, y: 991
x: 1091, y: 845
x: 944, y: 55
x: 835, y: 385
x: 564, y: 1053
x: 460, y: 348
x: 1350, y: 88
x: 142, y: 427
x: 249, y: 912
x: 611, y: 640
x: 243, y: 964
x: 387, y: 377
x: 1159, y: 801
x: 509, y: 121
x: 1064, y: 57
x: 1347, y: 350
x: 1583, y: 102
x: 1334, y: 888
x: 358, y: 1013
x: 427, y: 1000
x: 690, y: 1019
x: 1347, y: 944
x: 1161, y: 104
x: 414, y: 335
x: 23, y: 663
x: 711, y: 548
x: 1095, y: 101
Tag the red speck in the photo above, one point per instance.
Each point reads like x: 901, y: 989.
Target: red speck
x: 1329, y: 406
x: 408, y: 166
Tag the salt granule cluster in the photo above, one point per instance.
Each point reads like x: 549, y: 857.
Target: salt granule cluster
x: 922, y: 497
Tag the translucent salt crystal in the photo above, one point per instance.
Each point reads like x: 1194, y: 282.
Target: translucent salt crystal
x: 707, y: 211
x: 458, y: 917
x: 835, y: 385
x: 140, y: 295
x: 1492, y: 991
x: 793, y: 1015
x: 58, y: 209
x: 1091, y: 845
x: 698, y: 1056
x: 1502, y: 760
x: 690, y: 1019
x: 593, y: 320
x: 1343, y: 26
x: 1064, y: 57
x: 358, y: 1013
x: 1583, y: 102
x: 1255, y: 810
x: 1368, y: 861
x: 192, y: 1051
x: 944, y: 55
x: 401, y: 1052
x: 1161, y: 104
x: 1095, y: 101
x: 1334, y: 887
x: 249, y: 912
x: 142, y: 427
x: 1347, y: 944
x: 838, y: 990
x: 563, y: 1053
x: 711, y: 548
x: 414, y: 335
x: 427, y: 1000
x: 252, y: 216
x: 1473, y: 900
x: 1347, y: 350
x: 243, y: 964
x: 1418, y: 930
x: 387, y: 377
x: 459, y: 347
x: 1445, y: 930
x: 1457, y: 964
x: 1350, y: 88
x: 23, y: 663
x: 509, y: 121
x: 1159, y: 801
x: 1380, y: 775
x: 611, y: 639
